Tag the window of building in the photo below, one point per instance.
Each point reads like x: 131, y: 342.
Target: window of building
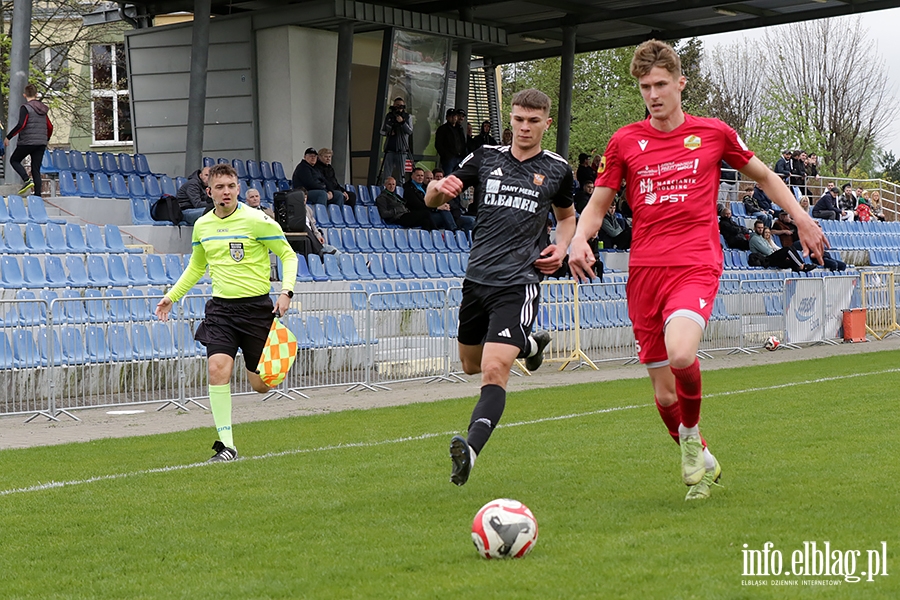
x: 53, y: 62
x: 109, y: 95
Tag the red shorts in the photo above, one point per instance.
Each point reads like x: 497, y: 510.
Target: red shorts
x: 656, y: 294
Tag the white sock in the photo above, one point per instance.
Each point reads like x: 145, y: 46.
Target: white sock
x: 709, y: 461
x: 682, y: 430
x: 472, y: 456
x: 532, y: 347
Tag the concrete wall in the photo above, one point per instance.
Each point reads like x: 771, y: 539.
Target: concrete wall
x: 159, y: 70
x: 297, y: 69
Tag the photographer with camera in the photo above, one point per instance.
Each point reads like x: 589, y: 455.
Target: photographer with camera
x: 397, y: 127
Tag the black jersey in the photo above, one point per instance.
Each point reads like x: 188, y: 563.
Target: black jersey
x: 513, y: 199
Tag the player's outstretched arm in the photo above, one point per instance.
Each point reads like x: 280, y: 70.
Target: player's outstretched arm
x: 552, y: 256
x: 581, y: 258
x: 811, y: 237
x: 443, y: 191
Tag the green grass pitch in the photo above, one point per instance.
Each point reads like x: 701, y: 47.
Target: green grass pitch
x: 358, y: 504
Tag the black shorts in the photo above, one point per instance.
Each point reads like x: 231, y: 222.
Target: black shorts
x: 242, y: 323
x: 497, y: 314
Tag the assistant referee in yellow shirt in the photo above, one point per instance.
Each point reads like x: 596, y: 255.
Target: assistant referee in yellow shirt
x: 234, y: 241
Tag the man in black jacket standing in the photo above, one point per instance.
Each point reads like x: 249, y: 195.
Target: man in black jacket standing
x: 450, y: 142
x: 397, y: 128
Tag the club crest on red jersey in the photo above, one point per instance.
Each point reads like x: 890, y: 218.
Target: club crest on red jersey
x: 538, y: 179
x: 602, y: 166
x: 692, y: 142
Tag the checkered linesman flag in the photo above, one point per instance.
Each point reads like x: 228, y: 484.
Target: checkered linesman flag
x: 278, y: 355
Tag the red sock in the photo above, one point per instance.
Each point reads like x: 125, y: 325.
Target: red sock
x: 671, y: 416
x: 688, y: 387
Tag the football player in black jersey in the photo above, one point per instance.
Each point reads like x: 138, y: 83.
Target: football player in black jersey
x: 515, y: 188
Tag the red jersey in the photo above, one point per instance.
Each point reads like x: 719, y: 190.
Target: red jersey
x: 672, y: 184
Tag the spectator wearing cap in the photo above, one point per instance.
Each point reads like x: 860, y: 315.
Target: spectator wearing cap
x: 585, y: 172
x: 826, y: 208
x: 336, y: 188
x: 306, y: 176
x: 397, y: 129
x: 783, y: 167
x: 450, y: 141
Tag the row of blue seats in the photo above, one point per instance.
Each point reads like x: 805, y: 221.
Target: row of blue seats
x: 328, y: 332
x: 97, y: 271
x: 402, y: 296
x: 864, y: 241
x: 16, y: 209
x: 250, y: 169
x: 56, y: 239
x: 399, y: 240
x: 71, y: 308
x: 99, y: 185
x: 60, y: 160
x: 860, y: 226
x: 884, y: 258
x: 362, y: 267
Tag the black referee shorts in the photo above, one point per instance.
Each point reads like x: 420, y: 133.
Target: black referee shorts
x: 497, y: 314
x: 232, y: 323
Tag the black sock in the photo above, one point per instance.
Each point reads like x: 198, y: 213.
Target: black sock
x: 486, y: 415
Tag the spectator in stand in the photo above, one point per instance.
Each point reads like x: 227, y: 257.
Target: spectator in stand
x: 457, y: 205
x: 783, y: 167
x: 332, y: 184
x: 397, y: 129
x: 755, y: 211
x: 312, y: 229
x: 484, y: 137
x: 767, y: 235
x: 585, y: 172
x: 735, y: 235
x: 728, y: 184
x: 253, y: 200
x: 34, y: 130
x: 847, y: 203
x: 308, y: 177
x: 812, y: 165
x: 785, y: 228
x: 506, y: 139
x: 863, y: 210
x: 763, y: 201
x: 414, y: 197
x: 804, y: 203
x: 779, y: 258
x: 393, y: 210
x: 827, y: 208
x: 875, y: 205
x: 193, y: 197
x: 613, y: 232
x: 798, y: 172
x: 429, y: 177
x: 583, y: 195
x: 450, y: 141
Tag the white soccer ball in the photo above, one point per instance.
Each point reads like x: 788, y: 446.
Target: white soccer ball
x: 504, y: 528
x: 772, y: 343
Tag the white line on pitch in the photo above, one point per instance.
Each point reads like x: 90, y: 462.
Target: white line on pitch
x: 59, y: 484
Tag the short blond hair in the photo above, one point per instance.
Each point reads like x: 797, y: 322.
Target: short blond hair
x: 532, y: 99
x: 325, y: 151
x: 654, y: 53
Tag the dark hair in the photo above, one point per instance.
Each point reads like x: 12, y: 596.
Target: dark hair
x: 420, y: 169
x: 758, y: 222
x: 399, y: 98
x: 222, y: 170
x: 441, y: 171
x: 30, y: 90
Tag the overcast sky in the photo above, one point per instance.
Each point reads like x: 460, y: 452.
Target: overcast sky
x: 883, y: 28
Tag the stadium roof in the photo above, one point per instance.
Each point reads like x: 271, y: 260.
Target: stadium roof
x: 516, y: 30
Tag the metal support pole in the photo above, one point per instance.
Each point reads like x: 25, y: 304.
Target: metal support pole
x: 340, y: 129
x: 193, y: 153
x: 463, y: 64
x: 566, y: 81
x: 18, y: 71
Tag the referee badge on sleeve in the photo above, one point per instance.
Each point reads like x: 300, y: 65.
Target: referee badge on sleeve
x: 278, y: 354
x: 237, y: 251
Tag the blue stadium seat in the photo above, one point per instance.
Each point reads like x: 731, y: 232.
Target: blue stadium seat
x: 77, y: 274
x: 364, y: 197
x: 4, y: 211
x: 428, y: 241
x: 47, y: 164
x: 433, y: 298
x: 403, y: 266
x: 114, y: 242
x: 11, y: 273
x: 76, y: 160
x: 118, y: 309
x: 362, y: 240
x: 96, y: 350
x: 350, y: 332
x: 156, y: 272
x: 44, y: 341
x: 73, y: 309
x: 67, y: 185
x: 437, y: 240
x: 92, y: 161
x: 117, y: 272
x: 118, y: 343
x: 167, y: 186
x: 402, y: 296
x: 102, y: 187
x: 240, y: 167
x: 118, y: 187
x: 332, y: 267
x: 390, y: 266
x: 137, y: 306
x: 253, y: 171
x: 336, y: 215
x: 61, y: 160
x: 429, y: 266
x: 163, y: 343
x: 401, y: 240
x: 387, y: 238
x: 316, y: 268
x: 362, y: 269
x: 56, y: 239
x: 96, y: 271
x: 375, y: 218
x: 443, y: 265
x: 375, y: 191
x: 348, y: 269
x: 75, y: 239
x: 278, y: 170
x: 136, y: 187
x: 110, y: 165
x: 33, y: 273
x: 94, y: 239
x: 375, y: 266
x: 15, y: 243
x: 25, y: 351
x: 140, y: 213
x: 349, y: 216
x: 209, y: 161
x: 417, y: 266
x: 7, y: 360
x: 348, y: 241
x: 270, y: 188
x: 462, y: 239
x: 152, y: 187
x: 55, y: 273
x: 361, y: 214
x: 141, y: 166
x: 83, y: 183
x: 126, y: 164
x: 141, y: 343
x: 357, y: 296
x: 316, y: 333
x: 415, y: 241
x: 184, y: 340
x: 303, y: 273
x: 174, y: 267
x: 455, y: 265
x: 265, y: 169
x: 375, y: 240
x: 322, y: 218
x: 34, y: 239
x: 17, y: 211
x: 38, y: 212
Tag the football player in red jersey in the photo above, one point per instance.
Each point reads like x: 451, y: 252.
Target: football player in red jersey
x: 670, y: 163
